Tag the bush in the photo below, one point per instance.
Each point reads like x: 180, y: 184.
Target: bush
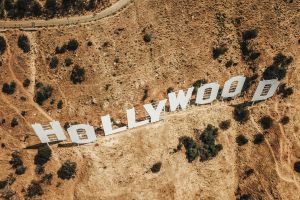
x: 77, y: 74
x: 279, y: 67
x: 3, y: 184
x: 26, y: 83
x: 258, y: 138
x: 34, y: 189
x: 47, y: 178
x: 23, y: 43
x: 72, y: 45
x: 14, y: 122
x: 285, y: 91
x: 241, y: 140
x: 250, y: 34
x: 285, y: 120
x: 15, y: 161
x: 39, y: 169
x: 20, y: 170
x: 147, y: 38
x: 197, y: 84
x: 60, y: 104
x: 53, y: 62
x: 42, y: 94
x: 9, y: 88
x: 8, y: 194
x: 3, y: 45
x: 224, y: 125
x: 51, y: 7
x: 36, y: 8
x: 217, y: 52
x: 240, y: 114
x: 60, y: 50
x: 67, y: 170
x: 297, y: 166
x: 89, y: 43
x: 43, y: 155
x: 266, y: 122
x: 156, y: 167
x: 244, y: 197
x: 190, y: 146
x: 68, y: 62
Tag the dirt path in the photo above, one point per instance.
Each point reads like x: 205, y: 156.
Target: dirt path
x: 31, y: 24
x: 20, y: 86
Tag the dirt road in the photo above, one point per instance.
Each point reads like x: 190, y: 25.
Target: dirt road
x: 32, y: 24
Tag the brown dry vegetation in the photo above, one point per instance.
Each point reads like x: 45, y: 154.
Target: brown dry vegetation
x: 120, y: 66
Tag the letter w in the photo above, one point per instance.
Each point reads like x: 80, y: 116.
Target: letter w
x: 182, y: 99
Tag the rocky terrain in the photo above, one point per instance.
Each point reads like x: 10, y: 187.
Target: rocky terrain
x: 76, y: 74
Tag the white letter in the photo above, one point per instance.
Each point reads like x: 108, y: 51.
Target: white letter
x: 132, y: 121
x: 181, y: 99
x: 155, y: 114
x: 265, y: 89
x: 202, y: 97
x: 82, y: 133
x: 236, y: 87
x: 107, y: 127
x: 53, y: 130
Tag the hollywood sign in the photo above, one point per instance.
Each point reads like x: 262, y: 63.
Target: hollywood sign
x: 207, y: 93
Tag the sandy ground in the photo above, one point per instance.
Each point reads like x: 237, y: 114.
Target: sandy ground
x: 183, y: 36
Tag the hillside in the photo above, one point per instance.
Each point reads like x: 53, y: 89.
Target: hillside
x: 78, y: 73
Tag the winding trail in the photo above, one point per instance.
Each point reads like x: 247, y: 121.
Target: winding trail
x: 34, y: 24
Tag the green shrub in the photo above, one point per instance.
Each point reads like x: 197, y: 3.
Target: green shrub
x: 218, y: 51
x: 241, y: 140
x: 258, y: 138
x: 43, y: 155
x: 224, y: 125
x: 14, y: 122
x: 241, y: 114
x: 147, y: 38
x: 297, y: 166
x: 43, y: 93
x: 20, y: 170
x: 26, y: 83
x: 9, y: 88
x: 77, y: 74
x: 3, y: 45
x: 23, y: 43
x: 67, y: 170
x: 34, y: 189
x: 53, y: 62
x: 285, y: 120
x: 156, y: 167
x: 72, y: 45
x: 266, y: 122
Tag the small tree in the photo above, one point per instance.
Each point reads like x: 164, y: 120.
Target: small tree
x: 34, y: 189
x: 14, y: 122
x: 42, y: 94
x: 258, y: 138
x: 218, y: 51
x: 26, y: 83
x: 285, y: 120
x: 9, y: 88
x: 2, y: 45
x: 23, y: 43
x: 241, y: 140
x: 147, y: 38
x: 67, y: 170
x: 77, y: 74
x: 156, y: 167
x: 53, y: 62
x: 297, y: 166
x: 43, y: 155
x: 266, y: 122
x: 240, y: 114
x: 72, y: 45
x: 224, y: 125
